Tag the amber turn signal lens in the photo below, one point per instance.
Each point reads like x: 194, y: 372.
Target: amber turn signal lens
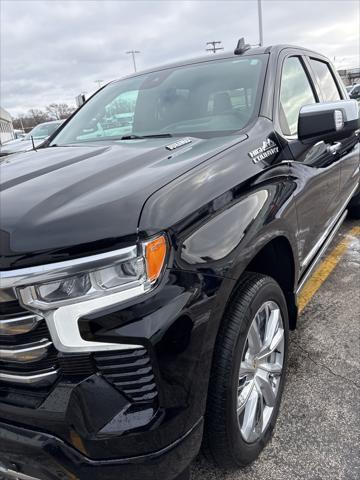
x: 155, y: 253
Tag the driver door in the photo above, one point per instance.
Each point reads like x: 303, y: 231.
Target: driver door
x: 315, y: 169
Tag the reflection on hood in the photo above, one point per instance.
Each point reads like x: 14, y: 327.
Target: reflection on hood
x: 20, y: 145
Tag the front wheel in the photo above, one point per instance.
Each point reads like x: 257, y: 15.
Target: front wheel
x: 248, y: 373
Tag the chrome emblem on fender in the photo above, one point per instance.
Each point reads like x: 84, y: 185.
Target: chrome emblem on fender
x: 267, y: 149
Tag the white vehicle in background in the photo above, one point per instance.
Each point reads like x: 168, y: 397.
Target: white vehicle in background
x: 34, y: 138
x: 354, y: 91
x: 18, y: 134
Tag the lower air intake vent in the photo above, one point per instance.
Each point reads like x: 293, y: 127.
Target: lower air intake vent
x: 131, y: 372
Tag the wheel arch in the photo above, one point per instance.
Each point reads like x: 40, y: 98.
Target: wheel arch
x: 275, y: 259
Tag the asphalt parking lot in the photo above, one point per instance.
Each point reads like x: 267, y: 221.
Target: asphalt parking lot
x: 317, y: 435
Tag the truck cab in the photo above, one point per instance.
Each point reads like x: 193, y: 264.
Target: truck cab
x: 150, y: 268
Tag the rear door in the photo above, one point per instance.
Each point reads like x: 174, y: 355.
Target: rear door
x: 315, y: 168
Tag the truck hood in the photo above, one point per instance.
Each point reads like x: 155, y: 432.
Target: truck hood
x: 61, y: 197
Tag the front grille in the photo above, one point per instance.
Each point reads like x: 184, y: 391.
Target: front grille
x: 131, y: 372
x: 76, y: 364
x: 27, y: 380
x: 28, y: 360
x: 40, y: 332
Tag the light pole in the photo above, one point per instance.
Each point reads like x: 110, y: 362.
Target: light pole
x: 261, y: 39
x: 133, y: 53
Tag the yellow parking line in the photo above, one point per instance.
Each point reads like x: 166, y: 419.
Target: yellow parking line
x: 325, y: 268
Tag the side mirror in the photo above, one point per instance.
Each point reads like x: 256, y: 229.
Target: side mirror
x: 328, y: 121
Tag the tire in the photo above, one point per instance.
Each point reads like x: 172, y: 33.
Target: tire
x: 228, y: 439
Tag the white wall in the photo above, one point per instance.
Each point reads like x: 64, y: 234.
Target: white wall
x: 6, y: 127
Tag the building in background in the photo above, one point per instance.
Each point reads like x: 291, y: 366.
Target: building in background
x: 6, y: 126
x: 350, y: 76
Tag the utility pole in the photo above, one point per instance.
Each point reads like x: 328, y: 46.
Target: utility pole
x: 214, y: 48
x: 22, y: 125
x: 133, y: 53
x: 261, y: 38
x: 99, y: 82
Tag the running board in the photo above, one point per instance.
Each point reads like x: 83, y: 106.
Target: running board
x: 320, y: 253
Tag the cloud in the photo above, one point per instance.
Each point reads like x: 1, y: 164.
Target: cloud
x: 53, y: 50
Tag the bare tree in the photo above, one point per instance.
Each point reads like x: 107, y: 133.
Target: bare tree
x: 59, y: 111
x: 30, y: 119
x: 38, y: 115
x: 34, y: 116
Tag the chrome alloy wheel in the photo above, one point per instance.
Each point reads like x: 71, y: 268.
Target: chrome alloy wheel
x: 260, y: 371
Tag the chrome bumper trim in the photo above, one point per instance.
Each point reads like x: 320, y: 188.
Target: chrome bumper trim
x: 19, y: 325
x: 64, y: 329
x: 30, y: 379
x: 20, y: 353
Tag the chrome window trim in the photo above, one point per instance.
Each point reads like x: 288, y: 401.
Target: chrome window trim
x: 50, y: 271
x: 323, y: 237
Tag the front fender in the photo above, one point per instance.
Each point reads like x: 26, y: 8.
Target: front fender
x: 225, y: 242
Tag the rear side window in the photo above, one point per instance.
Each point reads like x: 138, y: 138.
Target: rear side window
x: 295, y: 92
x: 326, y: 81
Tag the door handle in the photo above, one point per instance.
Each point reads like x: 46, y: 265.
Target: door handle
x: 334, y: 148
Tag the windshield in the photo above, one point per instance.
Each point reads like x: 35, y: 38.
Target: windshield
x: 211, y: 97
x: 43, y: 130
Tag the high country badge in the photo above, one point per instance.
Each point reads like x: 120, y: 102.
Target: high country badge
x: 267, y: 149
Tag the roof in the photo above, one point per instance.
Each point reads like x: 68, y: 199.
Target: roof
x: 4, y: 115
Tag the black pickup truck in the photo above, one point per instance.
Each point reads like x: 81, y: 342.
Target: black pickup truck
x: 150, y: 269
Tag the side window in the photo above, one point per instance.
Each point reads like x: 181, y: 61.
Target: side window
x: 326, y: 81
x: 295, y: 92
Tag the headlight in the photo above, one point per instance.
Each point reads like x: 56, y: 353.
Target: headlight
x: 94, y: 281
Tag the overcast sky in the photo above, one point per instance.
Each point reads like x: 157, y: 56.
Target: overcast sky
x: 53, y: 50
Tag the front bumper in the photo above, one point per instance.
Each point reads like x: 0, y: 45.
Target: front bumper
x: 42, y: 456
x: 91, y: 423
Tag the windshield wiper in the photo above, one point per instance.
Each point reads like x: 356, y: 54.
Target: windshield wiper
x: 139, y: 137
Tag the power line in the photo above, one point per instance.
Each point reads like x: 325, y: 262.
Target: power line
x: 261, y: 37
x: 214, y: 48
x: 133, y: 53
